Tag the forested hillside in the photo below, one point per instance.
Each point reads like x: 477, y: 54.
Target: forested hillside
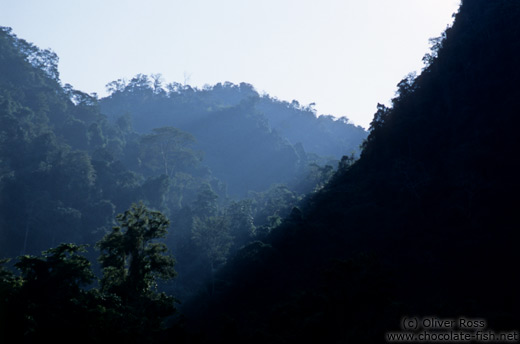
x: 166, y: 213
x: 203, y: 164
x: 249, y: 141
x: 425, y: 223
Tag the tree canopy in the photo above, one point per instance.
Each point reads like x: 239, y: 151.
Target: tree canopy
x: 280, y: 233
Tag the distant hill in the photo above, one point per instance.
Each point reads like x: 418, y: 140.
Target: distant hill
x: 250, y: 141
x: 425, y: 223
x: 322, y: 135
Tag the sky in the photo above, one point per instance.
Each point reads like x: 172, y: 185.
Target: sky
x: 343, y: 55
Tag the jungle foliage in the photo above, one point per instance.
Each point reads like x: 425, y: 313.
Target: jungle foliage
x: 280, y: 234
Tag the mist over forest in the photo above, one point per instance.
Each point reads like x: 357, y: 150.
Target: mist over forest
x: 170, y: 213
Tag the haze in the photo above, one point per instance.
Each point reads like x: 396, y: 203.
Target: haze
x: 343, y: 55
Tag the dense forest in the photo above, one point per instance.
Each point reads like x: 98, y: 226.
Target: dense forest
x: 425, y: 223
x: 167, y: 213
x: 250, y: 142
x: 207, y: 160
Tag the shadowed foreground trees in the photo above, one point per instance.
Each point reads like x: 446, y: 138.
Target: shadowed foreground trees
x: 51, y: 299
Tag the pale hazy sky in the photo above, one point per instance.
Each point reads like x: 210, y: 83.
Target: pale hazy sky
x: 344, y: 55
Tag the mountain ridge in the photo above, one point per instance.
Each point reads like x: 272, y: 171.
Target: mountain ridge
x: 423, y: 223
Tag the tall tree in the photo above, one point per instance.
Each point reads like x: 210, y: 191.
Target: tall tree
x: 132, y: 260
x: 167, y: 150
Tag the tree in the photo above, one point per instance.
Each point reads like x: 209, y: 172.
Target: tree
x: 157, y: 83
x: 210, y: 231
x: 205, y: 205
x: 61, y: 269
x: 116, y: 86
x: 167, y: 151
x: 211, y: 236
x: 132, y: 260
x: 48, y: 301
x: 241, y: 221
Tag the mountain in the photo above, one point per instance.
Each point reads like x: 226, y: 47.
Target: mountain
x: 250, y: 141
x: 424, y: 224
x: 321, y: 135
x: 70, y: 164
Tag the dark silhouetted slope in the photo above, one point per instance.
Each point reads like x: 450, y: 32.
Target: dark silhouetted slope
x: 424, y: 224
